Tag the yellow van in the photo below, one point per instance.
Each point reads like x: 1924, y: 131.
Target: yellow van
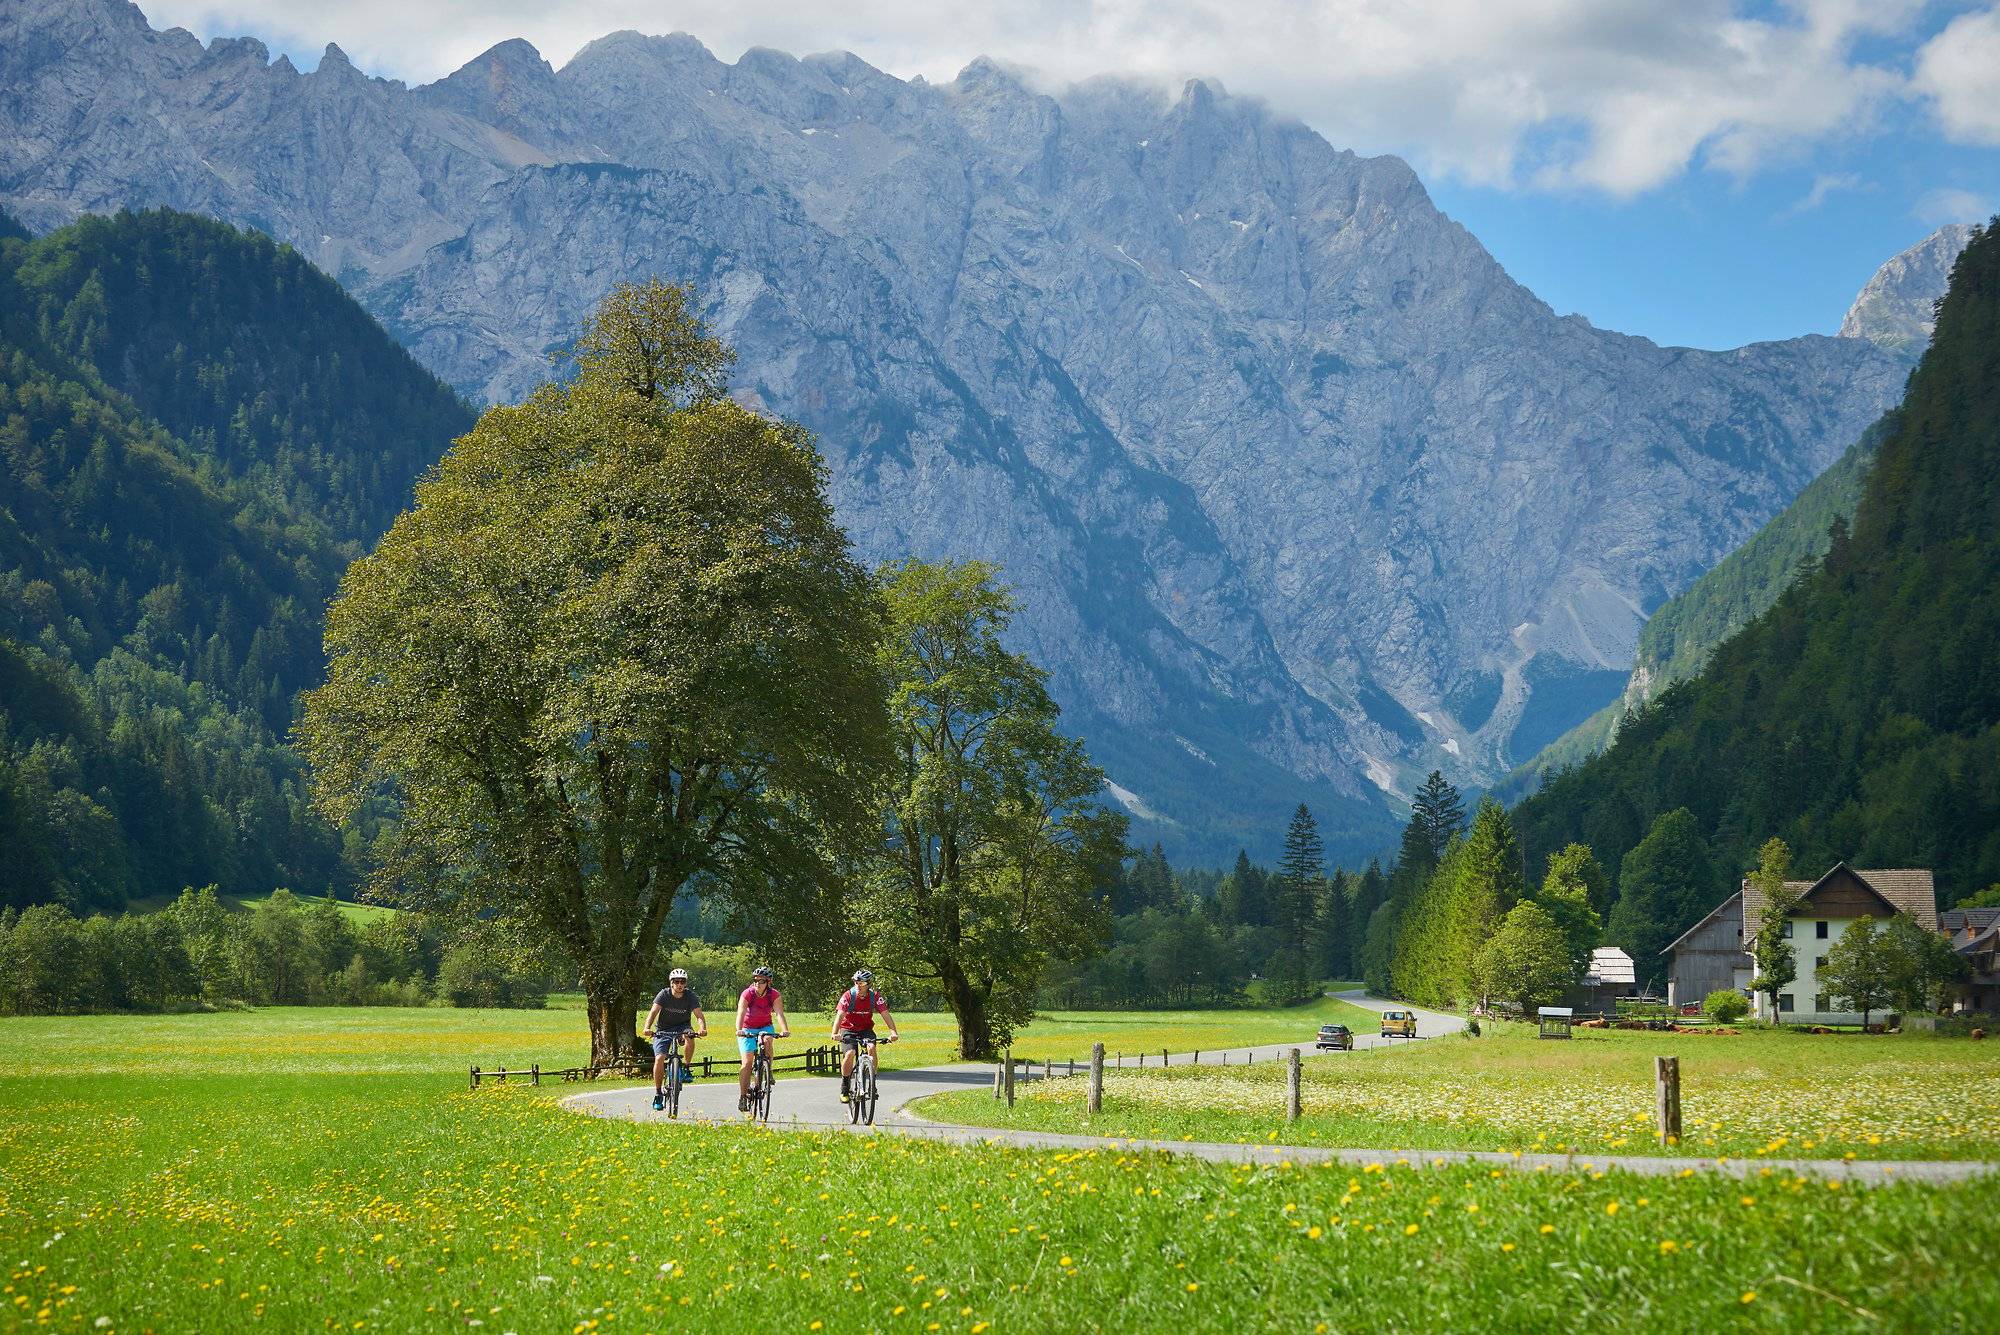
x: 1399, y: 1024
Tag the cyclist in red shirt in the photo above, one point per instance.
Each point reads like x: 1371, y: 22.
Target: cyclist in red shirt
x: 854, y: 1020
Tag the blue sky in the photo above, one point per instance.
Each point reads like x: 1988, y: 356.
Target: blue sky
x: 1712, y: 261
x: 1704, y: 172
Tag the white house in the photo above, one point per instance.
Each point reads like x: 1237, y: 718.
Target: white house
x: 1827, y: 907
x: 1714, y: 953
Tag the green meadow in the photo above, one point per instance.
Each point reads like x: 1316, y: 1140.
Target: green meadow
x: 1758, y: 1093
x: 328, y: 1169
x: 307, y: 1040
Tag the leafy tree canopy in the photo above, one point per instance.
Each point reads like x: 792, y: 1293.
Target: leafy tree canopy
x: 1000, y: 853
x: 618, y: 642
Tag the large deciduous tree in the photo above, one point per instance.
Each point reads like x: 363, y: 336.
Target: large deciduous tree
x: 618, y: 642
x: 1527, y: 960
x: 1575, y: 884
x: 999, y: 852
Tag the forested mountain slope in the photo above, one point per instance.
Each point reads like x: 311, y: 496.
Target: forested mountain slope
x: 1302, y: 495
x: 197, y: 432
x: 1859, y: 718
x: 1680, y: 636
x: 1895, y: 311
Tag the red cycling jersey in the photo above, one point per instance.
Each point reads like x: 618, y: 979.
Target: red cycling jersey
x: 856, y: 1016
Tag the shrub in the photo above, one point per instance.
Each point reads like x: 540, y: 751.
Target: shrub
x: 477, y: 971
x: 1726, y: 1006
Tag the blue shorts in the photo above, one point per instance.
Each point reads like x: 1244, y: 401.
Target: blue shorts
x: 746, y: 1043
x: 665, y: 1041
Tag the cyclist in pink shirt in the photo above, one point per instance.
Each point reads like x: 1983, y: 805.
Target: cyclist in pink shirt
x: 760, y: 1015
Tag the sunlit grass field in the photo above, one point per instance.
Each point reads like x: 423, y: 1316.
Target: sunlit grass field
x: 358, y: 914
x: 1757, y: 1093
x: 282, y: 1201
x: 301, y: 1040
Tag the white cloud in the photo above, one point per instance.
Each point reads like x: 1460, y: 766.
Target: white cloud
x: 1826, y: 183
x: 1618, y: 97
x: 1949, y: 204
x: 1959, y: 70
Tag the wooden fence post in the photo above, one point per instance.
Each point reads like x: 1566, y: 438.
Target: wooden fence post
x: 1010, y: 1077
x: 475, y: 1077
x: 536, y: 1071
x: 996, y: 1079
x: 1667, y: 1076
x: 1163, y: 1056
x: 1094, y: 1102
x: 1292, y: 1085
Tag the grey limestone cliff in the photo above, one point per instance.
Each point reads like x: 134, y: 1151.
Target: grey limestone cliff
x: 1301, y: 494
x: 1896, y: 309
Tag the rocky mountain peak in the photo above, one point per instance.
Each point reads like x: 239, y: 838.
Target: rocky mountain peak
x: 1894, y: 310
x: 334, y: 63
x: 1302, y: 495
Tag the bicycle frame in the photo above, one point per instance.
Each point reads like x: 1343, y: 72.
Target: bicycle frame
x: 862, y: 1089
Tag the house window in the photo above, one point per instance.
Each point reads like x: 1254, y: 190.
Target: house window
x: 1819, y: 929
x: 1819, y: 964
x: 1819, y: 1004
x: 1784, y: 1001
x: 1786, y: 932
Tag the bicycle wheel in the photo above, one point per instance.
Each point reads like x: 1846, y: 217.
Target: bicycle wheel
x: 674, y: 1087
x: 854, y: 1087
x: 869, y: 1091
x: 762, y: 1110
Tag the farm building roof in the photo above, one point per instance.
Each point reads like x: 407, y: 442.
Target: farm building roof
x: 1609, y: 964
x: 1906, y: 889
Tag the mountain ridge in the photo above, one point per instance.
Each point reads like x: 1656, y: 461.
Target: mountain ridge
x: 1280, y: 461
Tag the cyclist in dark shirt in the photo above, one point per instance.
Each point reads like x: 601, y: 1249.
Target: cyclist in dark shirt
x: 676, y: 1017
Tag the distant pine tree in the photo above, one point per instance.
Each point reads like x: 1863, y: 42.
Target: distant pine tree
x: 1665, y: 885
x: 1439, y: 811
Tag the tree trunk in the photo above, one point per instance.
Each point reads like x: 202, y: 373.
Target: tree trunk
x: 612, y: 1032
x: 975, y: 1033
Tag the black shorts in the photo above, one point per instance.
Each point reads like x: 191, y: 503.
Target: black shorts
x: 854, y: 1038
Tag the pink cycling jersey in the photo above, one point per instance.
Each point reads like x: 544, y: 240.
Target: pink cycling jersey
x: 756, y: 1009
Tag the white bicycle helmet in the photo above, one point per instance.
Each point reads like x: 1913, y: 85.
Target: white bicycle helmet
x: 678, y: 975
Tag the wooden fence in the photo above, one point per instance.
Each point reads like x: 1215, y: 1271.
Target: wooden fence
x: 823, y: 1060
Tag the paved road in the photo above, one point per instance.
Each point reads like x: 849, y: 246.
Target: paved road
x: 813, y: 1103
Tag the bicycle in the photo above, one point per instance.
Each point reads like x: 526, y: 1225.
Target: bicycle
x: 673, y: 1077
x: 862, y: 1090
x: 761, y: 1080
